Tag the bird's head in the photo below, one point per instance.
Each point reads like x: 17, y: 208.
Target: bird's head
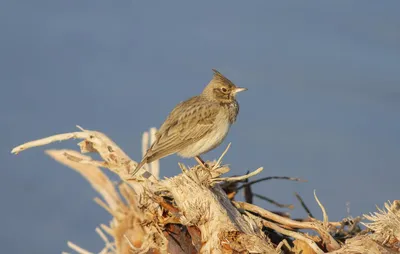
x: 221, y: 89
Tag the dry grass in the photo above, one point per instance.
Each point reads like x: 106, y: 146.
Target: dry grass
x: 195, y: 211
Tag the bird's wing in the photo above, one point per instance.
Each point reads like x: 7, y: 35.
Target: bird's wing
x: 186, y: 124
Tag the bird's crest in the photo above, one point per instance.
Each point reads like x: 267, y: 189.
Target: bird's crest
x: 218, y: 77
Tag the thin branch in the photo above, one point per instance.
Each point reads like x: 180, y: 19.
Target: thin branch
x: 48, y: 140
x: 247, y: 192
x: 303, y: 205
x: 109, y: 245
x: 293, y: 234
x: 93, y: 141
x: 182, y: 167
x: 107, y: 229
x: 270, y: 178
x: 325, y: 215
x: 273, y: 201
x: 238, y: 178
x: 130, y: 243
x: 222, y: 156
x: 285, y: 243
x: 77, y: 248
x: 328, y: 239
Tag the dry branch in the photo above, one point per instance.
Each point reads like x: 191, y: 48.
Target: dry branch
x: 193, y: 212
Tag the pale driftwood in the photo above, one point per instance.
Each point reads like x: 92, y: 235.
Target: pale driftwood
x: 238, y: 178
x: 220, y: 223
x: 191, y: 212
x: 295, y: 235
x: 291, y: 223
x: 114, y: 157
x: 364, y: 244
x: 218, y: 164
x: 324, y: 214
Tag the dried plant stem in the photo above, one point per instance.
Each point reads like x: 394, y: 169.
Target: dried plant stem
x: 48, y: 140
x: 328, y: 239
x: 303, y: 205
x: 238, y: 178
x: 222, y: 156
x: 93, y: 141
x: 293, y: 234
x: 271, y: 178
x: 325, y: 215
x: 273, y: 201
x: 192, y: 213
x: 77, y: 248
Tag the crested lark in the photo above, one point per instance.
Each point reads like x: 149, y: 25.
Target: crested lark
x: 198, y: 124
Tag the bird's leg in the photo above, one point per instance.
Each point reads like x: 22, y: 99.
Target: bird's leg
x: 201, y: 162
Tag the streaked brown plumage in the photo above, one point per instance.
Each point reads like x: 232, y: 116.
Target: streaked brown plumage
x: 198, y: 124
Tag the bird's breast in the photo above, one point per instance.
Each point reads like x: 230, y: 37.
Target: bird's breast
x: 211, y: 140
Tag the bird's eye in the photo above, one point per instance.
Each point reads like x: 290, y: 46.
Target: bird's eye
x: 224, y: 90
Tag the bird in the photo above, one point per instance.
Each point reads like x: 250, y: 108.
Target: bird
x: 197, y: 125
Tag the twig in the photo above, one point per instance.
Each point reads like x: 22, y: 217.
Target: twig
x: 109, y: 245
x: 238, y: 178
x: 325, y: 215
x: 273, y: 201
x: 183, y: 167
x: 48, y: 140
x: 293, y: 234
x: 328, y: 239
x: 107, y: 229
x: 93, y: 141
x: 296, y: 235
x: 77, y: 248
x: 270, y: 178
x: 285, y: 243
x: 222, y: 156
x: 247, y: 192
x: 130, y: 243
x: 303, y: 205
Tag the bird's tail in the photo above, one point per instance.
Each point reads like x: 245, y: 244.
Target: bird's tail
x: 139, y: 166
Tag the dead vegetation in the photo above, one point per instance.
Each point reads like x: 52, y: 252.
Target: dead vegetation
x: 195, y: 211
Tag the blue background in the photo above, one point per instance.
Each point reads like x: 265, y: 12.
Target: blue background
x: 323, y: 100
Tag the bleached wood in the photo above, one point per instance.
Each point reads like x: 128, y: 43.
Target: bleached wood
x: 238, y: 178
x: 48, y: 140
x: 293, y: 234
x: 78, y: 249
x: 209, y: 209
x: 195, y: 200
x: 324, y: 213
x: 114, y: 157
x: 329, y: 240
x: 222, y: 156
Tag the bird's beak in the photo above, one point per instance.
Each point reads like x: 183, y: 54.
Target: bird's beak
x: 239, y: 89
